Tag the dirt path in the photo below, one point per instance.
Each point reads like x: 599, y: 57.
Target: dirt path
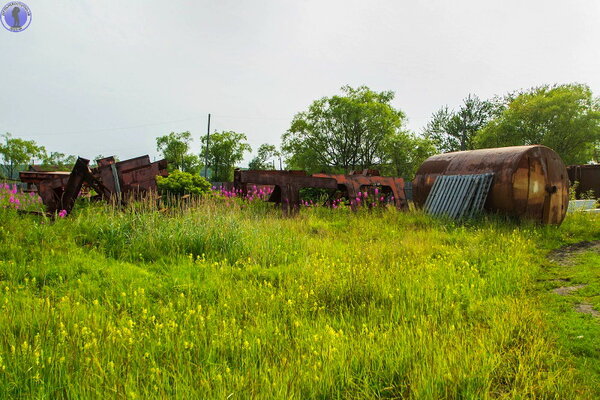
x: 565, y: 256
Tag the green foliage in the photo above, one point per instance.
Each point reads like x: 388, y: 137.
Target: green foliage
x: 405, y: 153
x: 588, y: 195
x: 225, y: 149
x: 573, y: 190
x: 180, y: 183
x: 343, y: 133
x: 57, y: 161
x: 175, y: 148
x: 217, y: 299
x: 265, y: 157
x: 456, y: 130
x: 15, y: 151
x: 565, y: 118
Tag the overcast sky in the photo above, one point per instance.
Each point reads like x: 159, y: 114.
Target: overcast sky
x: 108, y: 77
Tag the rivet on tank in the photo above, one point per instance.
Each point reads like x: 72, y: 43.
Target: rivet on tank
x: 530, y: 182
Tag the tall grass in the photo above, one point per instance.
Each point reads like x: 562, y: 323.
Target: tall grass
x: 221, y: 298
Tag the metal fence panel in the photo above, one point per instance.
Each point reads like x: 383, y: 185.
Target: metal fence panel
x: 458, y: 196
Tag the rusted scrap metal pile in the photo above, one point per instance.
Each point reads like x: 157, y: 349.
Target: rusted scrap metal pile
x: 526, y: 182
x: 287, y: 186
x: 111, y: 180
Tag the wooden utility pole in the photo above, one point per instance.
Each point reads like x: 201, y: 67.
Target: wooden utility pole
x: 206, y: 149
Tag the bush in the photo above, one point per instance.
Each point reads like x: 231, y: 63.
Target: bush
x: 180, y: 183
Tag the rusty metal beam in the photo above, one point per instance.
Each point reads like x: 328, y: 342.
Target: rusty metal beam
x: 287, y: 185
x: 60, y: 194
x: 352, y: 184
x: 59, y: 190
x: 130, y: 177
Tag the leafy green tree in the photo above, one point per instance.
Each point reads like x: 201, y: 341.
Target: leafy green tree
x: 596, y: 152
x: 565, y: 118
x: 58, y: 161
x: 265, y: 157
x: 225, y: 149
x: 180, y: 183
x: 175, y: 148
x: 15, y: 152
x: 405, y: 153
x: 343, y: 133
x: 455, y: 130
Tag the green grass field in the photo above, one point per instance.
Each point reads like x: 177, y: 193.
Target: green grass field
x: 226, y: 300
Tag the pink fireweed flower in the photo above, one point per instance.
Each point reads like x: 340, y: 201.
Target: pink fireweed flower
x: 14, y: 189
x: 381, y: 198
x: 62, y: 213
x: 358, y: 200
x: 376, y: 191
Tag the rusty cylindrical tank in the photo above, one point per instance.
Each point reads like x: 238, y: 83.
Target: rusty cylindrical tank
x: 529, y: 181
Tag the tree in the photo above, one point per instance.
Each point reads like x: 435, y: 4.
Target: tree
x: 596, y: 153
x: 342, y: 133
x: 175, y: 148
x: 225, y: 149
x: 265, y: 157
x: 565, y: 118
x: 456, y: 130
x: 15, y: 152
x: 58, y: 161
x: 181, y: 183
x: 405, y: 153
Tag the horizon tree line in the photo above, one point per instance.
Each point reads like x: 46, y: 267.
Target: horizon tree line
x: 360, y: 128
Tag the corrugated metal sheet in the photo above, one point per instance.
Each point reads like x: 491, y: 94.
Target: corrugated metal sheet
x: 458, y: 196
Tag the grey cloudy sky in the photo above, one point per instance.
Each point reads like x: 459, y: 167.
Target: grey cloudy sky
x: 107, y: 77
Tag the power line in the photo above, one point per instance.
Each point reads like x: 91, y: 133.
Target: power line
x: 112, y: 129
x: 248, y: 117
x: 77, y: 132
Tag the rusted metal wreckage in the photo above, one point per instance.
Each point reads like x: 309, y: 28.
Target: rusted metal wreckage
x: 587, y: 177
x: 287, y: 185
x: 529, y: 182
x: 111, y: 180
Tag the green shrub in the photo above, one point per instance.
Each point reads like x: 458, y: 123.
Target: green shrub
x: 589, y: 195
x: 180, y: 183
